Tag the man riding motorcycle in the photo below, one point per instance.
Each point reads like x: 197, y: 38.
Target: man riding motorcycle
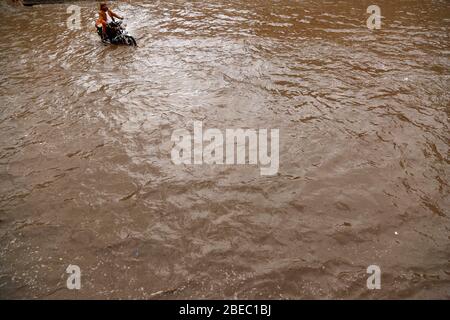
x: 106, y: 16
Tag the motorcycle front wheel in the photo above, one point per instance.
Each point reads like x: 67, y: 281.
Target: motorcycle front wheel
x: 129, y: 40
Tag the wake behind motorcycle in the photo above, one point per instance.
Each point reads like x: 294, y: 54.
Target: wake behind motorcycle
x: 116, y: 34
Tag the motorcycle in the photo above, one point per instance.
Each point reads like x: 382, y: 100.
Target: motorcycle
x: 116, y: 34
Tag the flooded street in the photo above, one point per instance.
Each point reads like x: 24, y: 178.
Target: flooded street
x: 86, y: 176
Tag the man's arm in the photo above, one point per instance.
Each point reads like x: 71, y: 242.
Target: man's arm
x: 113, y: 15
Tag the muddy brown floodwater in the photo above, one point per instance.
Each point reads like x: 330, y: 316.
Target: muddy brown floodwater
x: 86, y: 176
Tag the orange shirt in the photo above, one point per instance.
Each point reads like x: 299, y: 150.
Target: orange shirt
x: 103, y: 18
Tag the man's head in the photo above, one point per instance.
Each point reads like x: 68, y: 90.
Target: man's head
x: 103, y: 7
